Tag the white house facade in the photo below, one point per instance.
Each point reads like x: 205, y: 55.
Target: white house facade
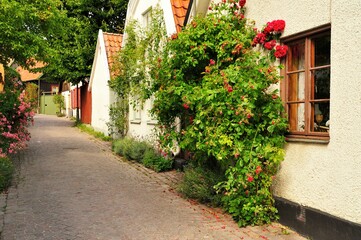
x: 320, y: 177
x: 108, y: 44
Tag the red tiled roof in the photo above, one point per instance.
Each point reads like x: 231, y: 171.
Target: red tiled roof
x: 179, y: 12
x: 113, y: 43
x: 26, y: 75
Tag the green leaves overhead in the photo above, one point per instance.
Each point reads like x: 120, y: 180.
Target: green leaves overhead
x: 61, y: 33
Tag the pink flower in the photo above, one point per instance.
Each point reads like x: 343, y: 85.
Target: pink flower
x: 212, y: 62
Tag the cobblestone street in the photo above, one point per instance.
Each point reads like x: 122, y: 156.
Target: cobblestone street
x: 70, y: 186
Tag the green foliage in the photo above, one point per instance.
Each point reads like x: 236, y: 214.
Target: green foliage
x: 212, y: 78
x: 25, y: 28
x: 118, y: 122
x: 198, y: 183
x: 143, y: 152
x: 155, y: 161
x: 90, y: 130
x: 130, y: 148
x: 58, y: 99
x: 132, y: 68
x: 6, y: 172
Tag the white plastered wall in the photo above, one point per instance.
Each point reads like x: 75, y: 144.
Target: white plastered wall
x: 325, y: 176
x: 102, y: 96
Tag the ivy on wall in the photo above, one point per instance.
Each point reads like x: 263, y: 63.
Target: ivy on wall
x: 132, y: 81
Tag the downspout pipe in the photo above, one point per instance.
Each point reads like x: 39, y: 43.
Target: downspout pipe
x: 188, y: 14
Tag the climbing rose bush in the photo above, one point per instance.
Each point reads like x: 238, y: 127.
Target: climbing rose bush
x: 15, y: 115
x: 216, y: 77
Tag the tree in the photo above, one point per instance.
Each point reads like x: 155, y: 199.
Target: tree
x: 25, y: 26
x: 73, y: 50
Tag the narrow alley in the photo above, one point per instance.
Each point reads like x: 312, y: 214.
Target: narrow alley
x: 70, y: 186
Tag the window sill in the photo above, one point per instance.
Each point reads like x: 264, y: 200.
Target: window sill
x: 152, y: 122
x: 135, y: 121
x: 304, y: 139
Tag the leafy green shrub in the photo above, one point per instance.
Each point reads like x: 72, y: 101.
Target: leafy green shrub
x: 217, y: 77
x: 130, y: 148
x: 198, y: 183
x: 136, y: 150
x: 155, y: 161
x: 58, y: 99
x: 120, y: 146
x: 6, y: 172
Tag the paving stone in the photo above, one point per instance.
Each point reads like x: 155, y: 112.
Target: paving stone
x: 70, y: 186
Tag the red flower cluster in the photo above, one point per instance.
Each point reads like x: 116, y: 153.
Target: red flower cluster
x: 274, y: 26
x: 250, y: 178
x: 259, y: 39
x: 228, y: 87
x: 270, y: 45
x: 258, y: 170
x: 281, y: 51
x: 266, y: 38
x: 242, y: 3
x: 186, y: 106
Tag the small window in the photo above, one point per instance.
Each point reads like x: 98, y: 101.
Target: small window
x: 147, y: 17
x: 306, y: 88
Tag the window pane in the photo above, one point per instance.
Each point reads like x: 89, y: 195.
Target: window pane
x: 296, y: 86
x: 321, y: 117
x: 296, y: 57
x: 321, y: 83
x: 296, y: 113
x: 322, y: 50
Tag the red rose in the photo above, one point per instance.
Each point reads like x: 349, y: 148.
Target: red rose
x: 268, y: 28
x: 270, y: 45
x: 281, y: 51
x: 186, y: 106
x: 279, y: 25
x: 242, y: 3
x: 212, y: 62
x: 258, y: 170
x: 250, y: 178
x: 260, y: 38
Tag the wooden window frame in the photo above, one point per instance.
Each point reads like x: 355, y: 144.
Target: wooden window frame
x: 307, y: 38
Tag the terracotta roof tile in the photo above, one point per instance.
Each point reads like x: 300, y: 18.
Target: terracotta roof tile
x: 179, y: 12
x: 26, y: 75
x: 113, y: 43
